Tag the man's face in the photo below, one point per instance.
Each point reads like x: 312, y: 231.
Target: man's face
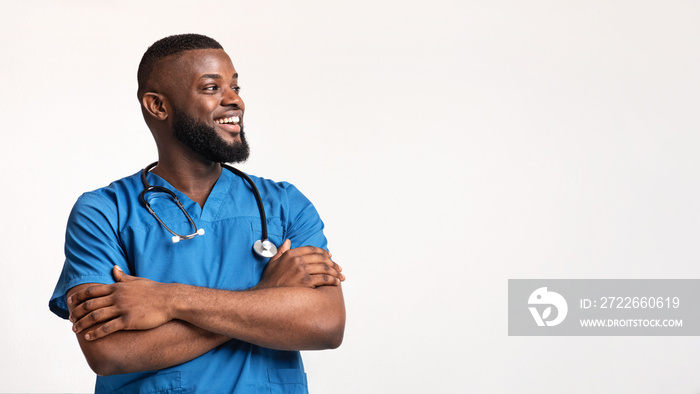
x: 207, y: 113
x: 204, y: 139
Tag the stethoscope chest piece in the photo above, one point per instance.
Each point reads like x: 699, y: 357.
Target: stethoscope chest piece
x: 264, y: 248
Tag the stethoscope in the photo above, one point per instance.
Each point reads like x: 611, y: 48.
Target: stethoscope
x: 263, y: 247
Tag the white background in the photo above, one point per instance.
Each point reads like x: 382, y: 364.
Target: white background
x: 448, y: 145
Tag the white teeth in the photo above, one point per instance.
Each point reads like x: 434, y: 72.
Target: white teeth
x: 233, y: 120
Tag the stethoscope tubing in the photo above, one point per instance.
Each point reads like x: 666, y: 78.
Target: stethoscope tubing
x: 258, y: 199
x: 262, y: 247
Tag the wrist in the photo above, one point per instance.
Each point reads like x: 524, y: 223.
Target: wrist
x: 175, y: 300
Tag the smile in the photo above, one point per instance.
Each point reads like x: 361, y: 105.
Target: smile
x: 230, y: 120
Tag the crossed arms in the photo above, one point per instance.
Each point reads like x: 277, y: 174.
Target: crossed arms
x: 137, y: 324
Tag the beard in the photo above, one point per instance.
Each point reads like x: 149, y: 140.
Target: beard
x: 203, y: 140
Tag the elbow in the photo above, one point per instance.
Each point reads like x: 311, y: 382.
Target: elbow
x: 103, y: 360
x: 335, y: 333
x: 102, y: 366
x: 330, y: 332
x: 334, y: 340
x: 330, y: 324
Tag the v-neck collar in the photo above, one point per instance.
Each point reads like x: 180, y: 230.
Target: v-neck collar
x: 213, y: 204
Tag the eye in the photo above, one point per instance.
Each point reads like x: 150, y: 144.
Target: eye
x: 236, y: 89
x: 211, y: 88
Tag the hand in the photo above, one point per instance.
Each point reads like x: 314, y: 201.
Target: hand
x: 130, y: 304
x: 306, y: 266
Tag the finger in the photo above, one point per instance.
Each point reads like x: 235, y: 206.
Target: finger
x: 280, y: 251
x: 286, y: 245
x: 90, y: 292
x: 321, y: 268
x: 334, y: 265
x: 117, y: 273
x: 337, y: 267
x: 102, y: 331
x: 305, y: 250
x: 322, y: 264
x: 120, y: 276
x: 313, y: 258
x: 318, y: 280
x: 89, y: 306
x: 95, y: 317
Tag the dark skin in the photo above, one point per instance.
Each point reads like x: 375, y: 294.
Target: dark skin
x: 209, y: 95
x: 138, y: 324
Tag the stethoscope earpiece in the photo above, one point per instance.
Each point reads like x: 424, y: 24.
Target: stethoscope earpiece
x: 178, y: 238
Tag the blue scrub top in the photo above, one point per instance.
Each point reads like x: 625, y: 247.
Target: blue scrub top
x: 110, y: 226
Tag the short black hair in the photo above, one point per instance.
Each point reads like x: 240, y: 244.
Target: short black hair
x: 167, y: 46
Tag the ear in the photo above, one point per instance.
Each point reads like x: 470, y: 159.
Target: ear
x: 154, y: 105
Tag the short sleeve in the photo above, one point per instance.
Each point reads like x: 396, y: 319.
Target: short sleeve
x: 92, y: 248
x: 304, y: 226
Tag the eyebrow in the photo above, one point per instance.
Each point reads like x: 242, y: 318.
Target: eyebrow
x: 215, y: 76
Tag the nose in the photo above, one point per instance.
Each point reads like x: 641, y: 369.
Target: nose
x: 231, y: 98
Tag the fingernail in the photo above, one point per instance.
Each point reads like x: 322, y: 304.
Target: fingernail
x: 70, y: 299
x: 88, y: 336
x: 75, y: 329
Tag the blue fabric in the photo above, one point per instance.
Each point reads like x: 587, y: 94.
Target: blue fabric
x: 109, y: 226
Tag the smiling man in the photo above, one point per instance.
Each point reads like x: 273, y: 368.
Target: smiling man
x: 160, y: 305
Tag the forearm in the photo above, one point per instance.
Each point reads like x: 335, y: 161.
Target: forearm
x: 284, y: 318
x: 298, y: 305
x: 171, y: 344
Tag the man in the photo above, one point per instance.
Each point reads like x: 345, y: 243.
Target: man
x: 205, y: 313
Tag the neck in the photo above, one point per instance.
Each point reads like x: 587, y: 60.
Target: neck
x: 194, y: 178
